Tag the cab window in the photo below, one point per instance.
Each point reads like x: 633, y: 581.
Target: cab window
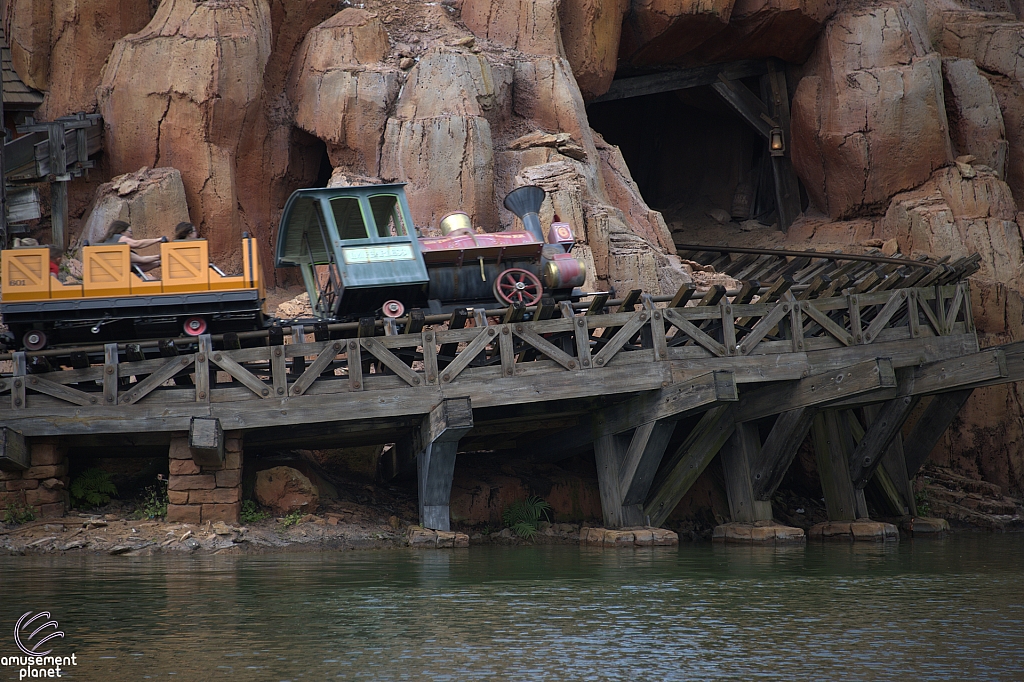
x: 348, y: 218
x: 387, y: 216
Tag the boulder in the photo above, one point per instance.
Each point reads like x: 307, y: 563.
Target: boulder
x: 786, y: 29
x: 590, y: 31
x: 657, y: 32
x: 869, y: 121
x: 152, y: 200
x: 285, y: 490
x: 186, y: 92
x: 975, y: 122
x: 341, y: 91
x: 530, y: 26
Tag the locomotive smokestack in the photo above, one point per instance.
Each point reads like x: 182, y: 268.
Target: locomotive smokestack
x: 525, y: 203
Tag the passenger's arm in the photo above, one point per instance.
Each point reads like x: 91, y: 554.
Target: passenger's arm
x: 141, y: 243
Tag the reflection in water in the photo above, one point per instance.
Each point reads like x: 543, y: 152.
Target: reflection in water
x: 941, y: 609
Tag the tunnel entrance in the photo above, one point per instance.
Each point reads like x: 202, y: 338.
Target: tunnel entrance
x: 703, y: 148
x: 691, y: 155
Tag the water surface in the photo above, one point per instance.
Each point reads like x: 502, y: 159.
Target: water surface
x: 948, y: 609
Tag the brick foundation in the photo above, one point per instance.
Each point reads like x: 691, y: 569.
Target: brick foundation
x: 43, y: 486
x: 198, y: 494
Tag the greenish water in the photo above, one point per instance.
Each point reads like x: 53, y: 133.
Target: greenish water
x: 948, y: 609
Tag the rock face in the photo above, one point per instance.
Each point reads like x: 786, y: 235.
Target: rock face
x: 590, y: 31
x: 664, y: 31
x: 975, y: 122
x: 440, y: 141
x: 286, y: 490
x: 340, y: 89
x: 181, y: 93
x: 870, y: 119
x: 530, y: 26
x: 151, y: 200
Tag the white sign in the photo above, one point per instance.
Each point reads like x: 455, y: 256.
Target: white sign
x: 378, y: 254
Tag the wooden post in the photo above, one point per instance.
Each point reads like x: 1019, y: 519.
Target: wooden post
x: 929, y: 428
x: 743, y: 447
x: 833, y: 467
x: 14, y: 453
x: 609, y: 452
x: 776, y: 456
x: 206, y: 441
x: 110, y: 373
x: 787, y: 186
x: 435, y: 444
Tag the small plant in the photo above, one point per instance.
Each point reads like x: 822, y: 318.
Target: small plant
x: 921, y: 500
x: 292, y: 519
x: 91, y: 489
x: 251, y: 513
x: 523, y: 516
x: 19, y: 513
x: 154, y: 504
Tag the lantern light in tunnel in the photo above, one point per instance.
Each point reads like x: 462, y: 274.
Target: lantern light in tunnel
x: 776, y: 142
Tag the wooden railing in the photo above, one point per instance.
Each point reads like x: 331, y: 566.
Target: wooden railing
x: 440, y: 357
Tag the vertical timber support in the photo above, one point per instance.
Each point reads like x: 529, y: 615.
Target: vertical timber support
x: 626, y: 465
x: 743, y: 447
x: 787, y: 187
x: 435, y: 445
x: 202, y: 487
x: 879, y: 436
x: 833, y: 467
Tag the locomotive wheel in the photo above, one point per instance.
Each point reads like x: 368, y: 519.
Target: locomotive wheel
x: 393, y: 308
x: 34, y: 339
x: 194, y: 326
x: 516, y: 285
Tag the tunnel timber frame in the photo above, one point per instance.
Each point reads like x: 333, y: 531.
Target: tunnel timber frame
x: 823, y: 340
x: 765, y: 117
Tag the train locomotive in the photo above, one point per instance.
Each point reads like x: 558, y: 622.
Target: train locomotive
x: 357, y: 251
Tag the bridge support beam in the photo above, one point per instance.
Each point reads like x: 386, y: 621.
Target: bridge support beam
x: 830, y: 450
x: 435, y: 445
x: 626, y: 464
x: 769, y: 466
x: 203, y: 489
x: 743, y: 447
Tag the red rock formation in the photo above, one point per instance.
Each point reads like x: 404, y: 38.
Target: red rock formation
x: 342, y: 93
x: 869, y: 121
x: 590, y: 31
x: 27, y: 25
x: 666, y: 31
x: 530, y: 26
x: 975, y: 122
x: 183, y: 92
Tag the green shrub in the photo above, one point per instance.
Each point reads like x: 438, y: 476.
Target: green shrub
x: 921, y: 500
x: 19, y: 513
x: 91, y: 489
x: 251, y: 513
x: 154, y: 504
x: 523, y: 516
x: 292, y: 518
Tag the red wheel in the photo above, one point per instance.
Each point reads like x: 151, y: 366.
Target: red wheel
x: 516, y: 285
x: 194, y: 326
x: 393, y: 308
x: 34, y: 339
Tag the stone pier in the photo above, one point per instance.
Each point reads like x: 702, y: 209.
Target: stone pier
x: 43, y: 484
x: 210, y: 491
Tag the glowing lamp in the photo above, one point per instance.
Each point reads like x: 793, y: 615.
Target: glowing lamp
x: 776, y: 142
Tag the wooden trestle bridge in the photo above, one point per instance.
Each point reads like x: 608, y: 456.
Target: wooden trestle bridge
x: 839, y: 348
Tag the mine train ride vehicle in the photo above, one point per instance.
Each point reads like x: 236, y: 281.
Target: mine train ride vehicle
x: 356, y: 247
